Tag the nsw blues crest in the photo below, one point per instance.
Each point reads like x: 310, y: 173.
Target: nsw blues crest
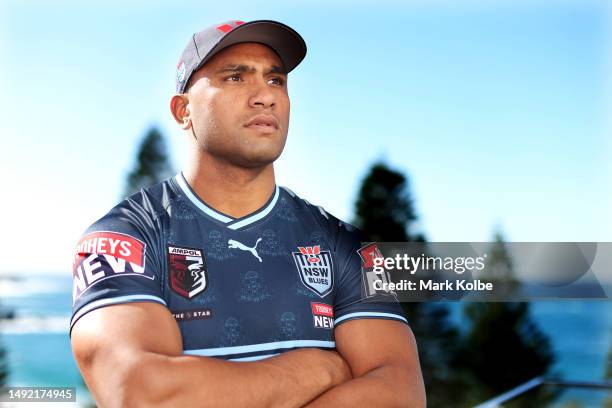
x: 315, y: 268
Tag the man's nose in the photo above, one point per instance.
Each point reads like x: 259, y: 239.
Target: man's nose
x: 263, y: 96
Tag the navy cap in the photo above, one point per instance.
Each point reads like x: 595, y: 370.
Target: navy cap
x: 203, y: 45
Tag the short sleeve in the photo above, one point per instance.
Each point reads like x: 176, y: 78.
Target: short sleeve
x: 350, y: 301
x: 117, y: 261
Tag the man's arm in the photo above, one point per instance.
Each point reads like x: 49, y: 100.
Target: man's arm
x: 383, y: 357
x: 131, y: 355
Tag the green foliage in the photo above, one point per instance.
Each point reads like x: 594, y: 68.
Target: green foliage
x: 438, y: 345
x: 499, y: 263
x: 5, y: 314
x: 503, y: 347
x: 152, y: 163
x: 385, y: 213
x: 384, y: 208
x: 4, y: 368
x: 499, y: 270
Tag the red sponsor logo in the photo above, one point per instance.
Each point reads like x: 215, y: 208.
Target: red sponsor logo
x: 368, y: 253
x: 322, y: 309
x: 121, y: 246
x: 312, y: 252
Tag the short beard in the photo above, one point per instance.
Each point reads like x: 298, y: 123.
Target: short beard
x: 243, y: 156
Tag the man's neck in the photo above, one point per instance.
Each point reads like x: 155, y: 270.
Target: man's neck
x: 231, y: 190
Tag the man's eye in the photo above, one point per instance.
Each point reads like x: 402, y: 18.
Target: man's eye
x: 234, y: 78
x: 277, y: 81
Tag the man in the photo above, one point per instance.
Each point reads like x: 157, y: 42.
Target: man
x: 217, y: 287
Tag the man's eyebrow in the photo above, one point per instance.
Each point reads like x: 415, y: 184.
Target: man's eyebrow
x: 236, y: 68
x: 274, y: 69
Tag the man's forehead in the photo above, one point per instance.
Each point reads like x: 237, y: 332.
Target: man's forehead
x: 251, y: 55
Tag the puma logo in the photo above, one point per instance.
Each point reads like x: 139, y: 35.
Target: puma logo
x: 232, y: 243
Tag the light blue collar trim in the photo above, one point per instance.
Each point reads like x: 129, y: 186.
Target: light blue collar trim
x: 258, y: 216
x: 233, y: 224
x: 197, y: 202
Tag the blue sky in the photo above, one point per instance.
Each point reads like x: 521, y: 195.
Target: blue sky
x: 499, y: 112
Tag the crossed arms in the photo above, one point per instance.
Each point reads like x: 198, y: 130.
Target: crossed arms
x: 131, y: 355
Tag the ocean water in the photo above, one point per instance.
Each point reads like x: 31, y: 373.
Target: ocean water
x: 39, y: 347
x: 581, y: 336
x: 580, y: 333
x: 37, y: 339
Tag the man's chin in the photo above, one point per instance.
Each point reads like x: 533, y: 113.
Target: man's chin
x: 254, y: 160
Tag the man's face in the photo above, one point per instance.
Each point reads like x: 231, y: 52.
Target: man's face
x: 239, y: 105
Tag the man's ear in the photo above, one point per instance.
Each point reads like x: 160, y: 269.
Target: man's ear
x: 179, y: 106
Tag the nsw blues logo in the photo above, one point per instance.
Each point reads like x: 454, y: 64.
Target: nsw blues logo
x: 187, y: 271
x: 315, y: 268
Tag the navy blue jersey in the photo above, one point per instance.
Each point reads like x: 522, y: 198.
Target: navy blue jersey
x: 239, y: 288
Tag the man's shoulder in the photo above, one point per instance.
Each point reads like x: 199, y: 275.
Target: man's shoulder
x: 138, y: 211
x: 154, y: 199
x: 333, y: 224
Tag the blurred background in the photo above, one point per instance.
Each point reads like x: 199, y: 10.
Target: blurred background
x: 434, y: 120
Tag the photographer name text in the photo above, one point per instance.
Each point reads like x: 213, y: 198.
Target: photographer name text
x: 406, y: 285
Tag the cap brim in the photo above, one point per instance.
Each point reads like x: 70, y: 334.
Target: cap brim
x: 288, y: 44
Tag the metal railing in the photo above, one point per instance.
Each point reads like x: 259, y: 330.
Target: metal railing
x: 497, y: 401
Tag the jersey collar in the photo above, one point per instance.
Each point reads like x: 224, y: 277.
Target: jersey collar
x: 230, y: 222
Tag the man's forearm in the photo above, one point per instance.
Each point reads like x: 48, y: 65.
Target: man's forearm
x: 386, y: 386
x: 290, y: 379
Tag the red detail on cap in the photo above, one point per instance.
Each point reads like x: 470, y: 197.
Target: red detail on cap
x: 226, y: 28
x: 322, y: 309
x: 368, y: 254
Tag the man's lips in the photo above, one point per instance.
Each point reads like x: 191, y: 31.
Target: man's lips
x: 264, y: 123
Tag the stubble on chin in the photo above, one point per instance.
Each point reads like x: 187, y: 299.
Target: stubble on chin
x: 240, y: 150
x: 254, y: 153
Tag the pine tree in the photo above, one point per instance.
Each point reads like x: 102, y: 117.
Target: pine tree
x: 384, y: 208
x: 499, y: 269
x: 503, y: 347
x: 385, y: 213
x: 152, y: 163
x: 4, y: 368
x: 5, y: 314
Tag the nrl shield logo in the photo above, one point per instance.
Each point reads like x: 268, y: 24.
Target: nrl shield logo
x: 315, y: 268
x: 186, y: 271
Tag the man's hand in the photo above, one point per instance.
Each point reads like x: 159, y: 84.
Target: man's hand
x: 384, y: 361
x: 132, y: 355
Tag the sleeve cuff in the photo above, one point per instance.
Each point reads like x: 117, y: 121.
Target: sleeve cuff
x: 113, y: 301
x: 369, y: 315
